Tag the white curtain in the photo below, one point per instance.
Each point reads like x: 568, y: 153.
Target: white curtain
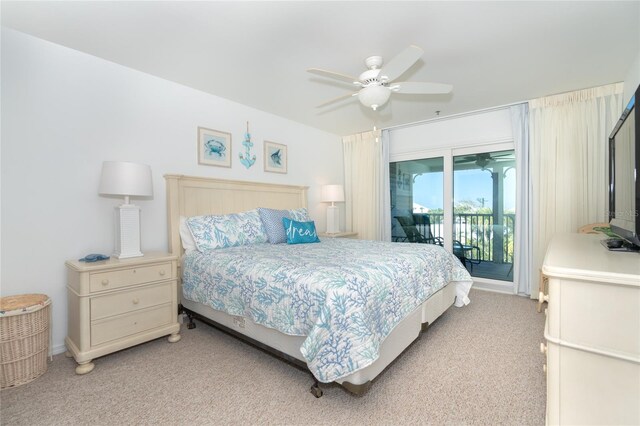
x: 569, y: 150
x: 364, y: 184
x: 523, y: 227
x: 384, y: 227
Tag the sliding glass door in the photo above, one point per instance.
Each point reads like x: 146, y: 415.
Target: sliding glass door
x: 462, y: 199
x: 484, y: 213
x: 417, y: 200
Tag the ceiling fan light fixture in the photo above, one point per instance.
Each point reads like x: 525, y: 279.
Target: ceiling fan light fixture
x: 482, y: 163
x: 374, y: 96
x: 377, y: 82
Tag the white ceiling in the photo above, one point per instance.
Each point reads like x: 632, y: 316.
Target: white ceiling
x: 256, y: 53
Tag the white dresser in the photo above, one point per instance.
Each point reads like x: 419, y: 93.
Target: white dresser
x: 118, y: 303
x: 592, y: 333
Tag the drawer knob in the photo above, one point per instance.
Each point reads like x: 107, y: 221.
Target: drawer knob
x: 543, y: 297
x: 162, y: 272
x: 543, y: 348
x: 136, y: 301
x: 105, y: 282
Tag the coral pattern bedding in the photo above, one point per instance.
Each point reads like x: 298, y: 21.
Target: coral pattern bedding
x: 345, y: 295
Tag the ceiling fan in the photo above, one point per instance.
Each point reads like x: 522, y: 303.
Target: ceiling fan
x: 376, y: 84
x: 483, y: 159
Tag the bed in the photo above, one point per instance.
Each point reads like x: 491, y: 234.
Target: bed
x: 234, y: 288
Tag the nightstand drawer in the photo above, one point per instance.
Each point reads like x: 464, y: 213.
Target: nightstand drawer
x: 113, y: 328
x: 130, y: 276
x: 130, y: 300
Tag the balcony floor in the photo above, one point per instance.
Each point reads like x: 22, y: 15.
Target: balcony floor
x: 491, y: 270
x: 484, y: 269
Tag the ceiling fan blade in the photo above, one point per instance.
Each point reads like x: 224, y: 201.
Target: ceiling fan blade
x: 334, y: 75
x: 503, y: 154
x: 339, y: 98
x: 401, y: 63
x: 421, y: 88
x: 464, y: 160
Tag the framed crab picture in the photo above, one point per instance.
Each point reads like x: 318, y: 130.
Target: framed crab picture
x: 214, y: 147
x: 275, y: 157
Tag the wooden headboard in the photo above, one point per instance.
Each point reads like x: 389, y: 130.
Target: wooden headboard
x: 194, y: 196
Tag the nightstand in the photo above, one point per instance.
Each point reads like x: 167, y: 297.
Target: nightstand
x: 339, y: 235
x: 118, y: 303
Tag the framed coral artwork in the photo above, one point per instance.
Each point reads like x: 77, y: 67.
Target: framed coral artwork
x: 214, y: 147
x: 275, y: 157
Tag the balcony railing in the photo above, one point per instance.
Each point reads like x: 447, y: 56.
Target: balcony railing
x: 494, y: 240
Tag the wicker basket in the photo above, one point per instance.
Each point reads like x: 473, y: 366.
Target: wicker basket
x: 24, y: 338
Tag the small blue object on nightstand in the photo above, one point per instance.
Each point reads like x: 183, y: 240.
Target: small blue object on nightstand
x: 94, y: 258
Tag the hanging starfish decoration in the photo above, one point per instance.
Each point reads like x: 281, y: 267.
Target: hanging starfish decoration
x: 246, y: 158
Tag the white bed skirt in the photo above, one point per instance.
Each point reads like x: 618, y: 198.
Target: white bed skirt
x: 397, y: 341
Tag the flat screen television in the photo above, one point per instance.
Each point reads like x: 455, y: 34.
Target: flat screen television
x: 624, y: 165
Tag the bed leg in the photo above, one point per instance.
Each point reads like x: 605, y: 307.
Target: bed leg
x: 191, y: 324
x: 315, y: 389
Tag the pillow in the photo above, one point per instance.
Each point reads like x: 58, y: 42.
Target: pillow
x: 237, y: 229
x: 188, y: 243
x: 272, y: 221
x: 300, y: 232
x: 301, y: 215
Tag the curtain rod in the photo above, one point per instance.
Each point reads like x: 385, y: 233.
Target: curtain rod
x: 448, y: 117
x: 478, y: 111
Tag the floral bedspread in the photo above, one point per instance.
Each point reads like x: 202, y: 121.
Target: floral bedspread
x: 345, y: 295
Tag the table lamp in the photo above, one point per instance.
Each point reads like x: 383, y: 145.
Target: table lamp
x: 128, y: 180
x: 332, y: 194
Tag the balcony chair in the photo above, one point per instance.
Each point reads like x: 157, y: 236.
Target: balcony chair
x: 463, y: 252
x: 466, y: 254
x: 413, y: 235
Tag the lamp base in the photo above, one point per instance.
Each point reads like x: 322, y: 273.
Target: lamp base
x: 127, y: 231
x: 333, y: 220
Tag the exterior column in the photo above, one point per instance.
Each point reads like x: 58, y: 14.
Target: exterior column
x: 498, y: 213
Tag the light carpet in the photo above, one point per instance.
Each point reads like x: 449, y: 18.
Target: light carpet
x: 475, y: 365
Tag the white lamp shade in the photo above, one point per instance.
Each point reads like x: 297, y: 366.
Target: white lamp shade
x: 332, y: 193
x: 128, y: 179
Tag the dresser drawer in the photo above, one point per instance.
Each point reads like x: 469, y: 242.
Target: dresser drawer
x: 130, y: 300
x: 112, y: 328
x: 130, y: 276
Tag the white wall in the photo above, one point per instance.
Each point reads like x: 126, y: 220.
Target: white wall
x: 632, y: 80
x: 64, y: 112
x: 448, y: 132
